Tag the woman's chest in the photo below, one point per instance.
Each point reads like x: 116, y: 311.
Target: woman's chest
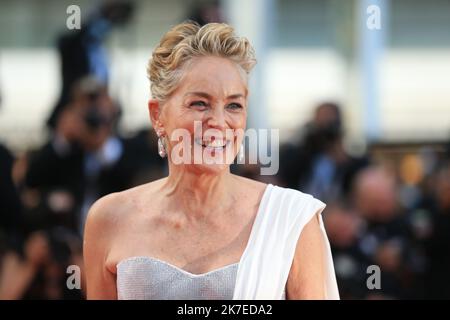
x: 196, y: 249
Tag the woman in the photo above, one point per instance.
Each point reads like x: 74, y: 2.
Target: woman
x: 202, y: 232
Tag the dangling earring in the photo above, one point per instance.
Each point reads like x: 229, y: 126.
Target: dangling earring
x: 161, y: 148
x: 241, y: 154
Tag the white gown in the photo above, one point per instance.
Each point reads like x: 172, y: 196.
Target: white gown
x: 262, y: 271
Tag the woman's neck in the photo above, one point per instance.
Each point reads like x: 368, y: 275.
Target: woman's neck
x: 198, y: 194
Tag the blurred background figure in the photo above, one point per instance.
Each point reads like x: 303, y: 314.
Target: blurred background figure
x: 318, y: 163
x: 82, y: 160
x: 38, y: 270
x: 384, y: 238
x: 344, y: 229
x: 82, y: 52
x: 438, y: 241
x: 206, y: 12
x: 10, y: 205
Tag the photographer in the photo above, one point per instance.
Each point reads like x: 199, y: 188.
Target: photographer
x: 82, y: 161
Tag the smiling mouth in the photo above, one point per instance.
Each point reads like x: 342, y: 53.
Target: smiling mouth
x: 215, y: 144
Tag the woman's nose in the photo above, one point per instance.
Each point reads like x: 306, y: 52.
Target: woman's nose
x: 216, y: 118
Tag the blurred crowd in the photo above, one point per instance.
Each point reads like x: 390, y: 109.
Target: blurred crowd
x: 388, y: 209
x: 46, y: 193
x: 392, y: 214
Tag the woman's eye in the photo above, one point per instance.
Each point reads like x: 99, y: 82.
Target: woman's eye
x: 234, y: 106
x: 198, y: 104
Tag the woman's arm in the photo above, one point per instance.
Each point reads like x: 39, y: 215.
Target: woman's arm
x: 100, y: 282
x: 307, y: 275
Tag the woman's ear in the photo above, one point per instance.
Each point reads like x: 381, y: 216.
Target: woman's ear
x: 154, y: 111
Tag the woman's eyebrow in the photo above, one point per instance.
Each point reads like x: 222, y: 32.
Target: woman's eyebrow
x: 208, y: 96
x: 236, y: 96
x: 198, y: 93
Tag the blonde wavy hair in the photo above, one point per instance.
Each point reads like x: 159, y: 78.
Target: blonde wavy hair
x: 188, y: 40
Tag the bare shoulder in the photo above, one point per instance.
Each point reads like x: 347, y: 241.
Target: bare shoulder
x: 250, y: 186
x: 107, y: 219
x: 112, y: 210
x: 108, y: 210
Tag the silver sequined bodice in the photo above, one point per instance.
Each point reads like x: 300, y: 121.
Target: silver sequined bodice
x: 145, y: 278
x: 149, y: 278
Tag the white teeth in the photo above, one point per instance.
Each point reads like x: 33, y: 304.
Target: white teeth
x: 216, y: 144
x: 211, y: 144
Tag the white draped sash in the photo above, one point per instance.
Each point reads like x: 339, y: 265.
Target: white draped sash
x: 265, y: 264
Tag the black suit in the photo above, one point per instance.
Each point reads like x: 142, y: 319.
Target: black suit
x: 10, y: 206
x: 50, y: 171
x: 73, y: 49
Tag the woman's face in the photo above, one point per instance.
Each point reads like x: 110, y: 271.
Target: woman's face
x: 210, y: 106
